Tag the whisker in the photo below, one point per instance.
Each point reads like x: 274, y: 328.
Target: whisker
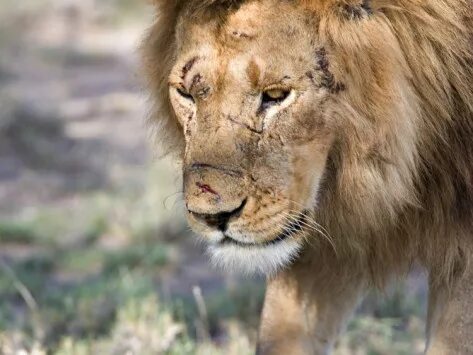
x: 177, y: 200
x: 313, y: 226
x: 310, y: 218
x: 316, y: 226
x: 304, y: 208
x: 291, y: 219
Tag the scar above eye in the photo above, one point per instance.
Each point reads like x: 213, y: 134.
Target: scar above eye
x: 188, y: 66
x: 241, y: 34
x: 327, y: 78
x: 196, y: 80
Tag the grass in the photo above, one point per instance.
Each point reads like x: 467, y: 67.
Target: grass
x: 113, y: 306
x: 16, y: 233
x: 93, y: 270
x: 96, y: 300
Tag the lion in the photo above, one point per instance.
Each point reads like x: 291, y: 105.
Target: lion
x: 326, y: 144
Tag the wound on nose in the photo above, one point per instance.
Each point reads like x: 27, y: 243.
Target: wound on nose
x: 206, y: 189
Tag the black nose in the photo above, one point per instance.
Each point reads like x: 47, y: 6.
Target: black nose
x: 219, y: 220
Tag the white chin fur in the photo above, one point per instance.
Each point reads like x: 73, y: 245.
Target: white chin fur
x: 265, y: 260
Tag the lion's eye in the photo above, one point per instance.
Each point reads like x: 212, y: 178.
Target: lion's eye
x: 274, y: 97
x: 185, y: 95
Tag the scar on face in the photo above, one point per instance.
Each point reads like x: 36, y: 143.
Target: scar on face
x: 188, y: 66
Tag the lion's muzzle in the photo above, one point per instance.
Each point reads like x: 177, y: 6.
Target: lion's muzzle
x: 214, y: 194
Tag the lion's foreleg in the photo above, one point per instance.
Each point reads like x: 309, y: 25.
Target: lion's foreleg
x: 450, y: 321
x: 306, y: 308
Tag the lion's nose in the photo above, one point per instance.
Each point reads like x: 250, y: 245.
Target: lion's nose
x: 214, y: 194
x: 219, y: 220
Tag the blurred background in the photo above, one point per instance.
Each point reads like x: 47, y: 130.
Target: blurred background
x: 95, y: 255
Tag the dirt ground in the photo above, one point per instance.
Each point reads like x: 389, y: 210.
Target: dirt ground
x: 81, y: 100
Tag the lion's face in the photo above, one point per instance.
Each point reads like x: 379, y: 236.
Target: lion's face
x: 252, y: 96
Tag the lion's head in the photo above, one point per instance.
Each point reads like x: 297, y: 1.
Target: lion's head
x: 275, y: 107
x: 252, y: 103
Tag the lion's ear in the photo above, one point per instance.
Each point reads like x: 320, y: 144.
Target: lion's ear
x: 347, y: 9
x: 355, y: 10
x: 201, y: 3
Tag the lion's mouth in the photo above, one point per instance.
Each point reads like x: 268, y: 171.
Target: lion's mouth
x: 289, y: 230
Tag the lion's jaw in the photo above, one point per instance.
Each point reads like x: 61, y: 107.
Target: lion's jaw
x: 257, y: 134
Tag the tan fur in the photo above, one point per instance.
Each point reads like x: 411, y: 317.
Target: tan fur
x: 378, y: 145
